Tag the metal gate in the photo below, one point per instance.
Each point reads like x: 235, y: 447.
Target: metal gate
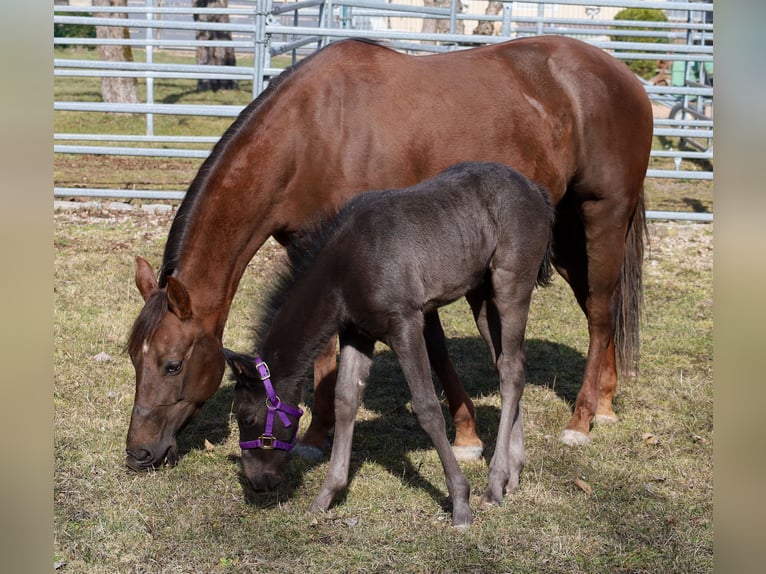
x: 265, y: 29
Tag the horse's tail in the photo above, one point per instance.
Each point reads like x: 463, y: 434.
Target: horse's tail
x: 630, y: 290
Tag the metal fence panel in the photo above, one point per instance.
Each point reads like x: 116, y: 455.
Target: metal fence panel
x: 682, y: 46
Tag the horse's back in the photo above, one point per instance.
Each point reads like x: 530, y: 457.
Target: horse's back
x: 551, y: 107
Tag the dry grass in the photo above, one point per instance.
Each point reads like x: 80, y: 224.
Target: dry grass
x: 650, y: 504
x: 649, y: 508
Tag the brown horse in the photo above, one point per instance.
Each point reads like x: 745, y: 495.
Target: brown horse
x: 357, y: 116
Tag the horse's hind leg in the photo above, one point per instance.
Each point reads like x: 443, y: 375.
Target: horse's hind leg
x: 355, y: 361
x: 407, y: 341
x: 468, y: 445
x: 315, y: 440
x: 592, y: 264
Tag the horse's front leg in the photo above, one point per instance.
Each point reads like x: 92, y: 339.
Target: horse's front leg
x: 468, y: 445
x: 315, y: 439
x: 355, y: 361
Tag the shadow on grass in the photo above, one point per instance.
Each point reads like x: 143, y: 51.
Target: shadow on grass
x: 389, y: 438
x: 210, y: 423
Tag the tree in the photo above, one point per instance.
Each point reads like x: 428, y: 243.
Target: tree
x: 644, y: 68
x: 115, y: 89
x: 440, y: 25
x: 214, y: 56
x: 485, y: 27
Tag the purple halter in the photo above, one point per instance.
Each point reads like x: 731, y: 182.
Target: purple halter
x: 267, y: 441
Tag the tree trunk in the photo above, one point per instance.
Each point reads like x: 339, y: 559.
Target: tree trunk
x: 115, y: 89
x: 214, y: 56
x: 484, y: 27
x: 441, y: 25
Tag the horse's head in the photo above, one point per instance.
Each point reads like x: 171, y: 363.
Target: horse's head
x: 179, y: 364
x: 267, y: 427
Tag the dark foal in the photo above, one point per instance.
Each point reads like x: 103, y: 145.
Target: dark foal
x: 376, y: 272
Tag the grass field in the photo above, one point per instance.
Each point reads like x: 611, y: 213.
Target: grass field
x: 644, y: 503
x: 639, y: 499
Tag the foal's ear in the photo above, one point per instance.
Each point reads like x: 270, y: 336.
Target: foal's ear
x: 239, y: 363
x: 178, y: 299
x: 146, y: 281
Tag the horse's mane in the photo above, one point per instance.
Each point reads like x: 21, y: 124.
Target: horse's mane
x: 198, y: 187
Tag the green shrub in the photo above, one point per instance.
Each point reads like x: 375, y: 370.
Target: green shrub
x: 644, y: 68
x: 74, y: 30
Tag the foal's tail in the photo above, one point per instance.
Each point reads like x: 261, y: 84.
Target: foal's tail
x: 630, y: 294
x: 545, y: 273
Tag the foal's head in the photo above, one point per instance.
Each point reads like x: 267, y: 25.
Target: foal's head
x: 268, y: 428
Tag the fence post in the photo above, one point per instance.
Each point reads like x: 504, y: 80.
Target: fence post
x: 261, y: 42
x: 149, y: 60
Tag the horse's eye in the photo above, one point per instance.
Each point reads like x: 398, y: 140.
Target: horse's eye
x: 173, y: 367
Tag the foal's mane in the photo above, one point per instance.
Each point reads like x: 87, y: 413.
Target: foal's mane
x: 302, y: 250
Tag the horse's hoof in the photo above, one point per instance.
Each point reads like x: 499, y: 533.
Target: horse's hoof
x: 308, y: 452
x: 605, y: 419
x: 574, y: 438
x: 465, y: 453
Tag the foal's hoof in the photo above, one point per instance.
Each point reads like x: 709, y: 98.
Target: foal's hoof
x: 490, y: 500
x: 462, y: 523
x: 574, y: 438
x: 308, y: 452
x: 464, y: 453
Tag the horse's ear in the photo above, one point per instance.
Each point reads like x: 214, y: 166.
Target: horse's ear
x: 179, y: 301
x: 146, y: 281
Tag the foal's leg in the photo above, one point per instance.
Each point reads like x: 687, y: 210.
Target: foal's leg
x: 502, y: 322
x: 468, y: 445
x: 355, y: 361
x: 406, y: 340
x: 322, y: 412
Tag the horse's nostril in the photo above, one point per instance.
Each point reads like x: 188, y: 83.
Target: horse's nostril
x: 139, y: 455
x: 138, y: 460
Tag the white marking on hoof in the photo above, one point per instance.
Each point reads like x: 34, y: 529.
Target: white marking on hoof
x: 605, y: 419
x: 574, y: 438
x: 464, y: 453
x: 308, y: 452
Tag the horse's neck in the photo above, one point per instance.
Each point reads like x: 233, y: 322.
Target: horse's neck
x: 231, y: 219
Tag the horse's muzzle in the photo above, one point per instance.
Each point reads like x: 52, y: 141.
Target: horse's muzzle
x: 142, y: 460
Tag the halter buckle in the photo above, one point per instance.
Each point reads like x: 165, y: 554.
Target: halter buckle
x: 263, y: 369
x: 267, y: 442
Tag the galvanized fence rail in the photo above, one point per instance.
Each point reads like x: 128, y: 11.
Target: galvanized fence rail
x: 267, y: 28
